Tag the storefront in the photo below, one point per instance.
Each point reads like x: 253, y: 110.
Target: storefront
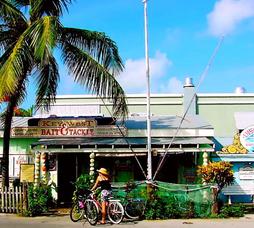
x: 65, y: 147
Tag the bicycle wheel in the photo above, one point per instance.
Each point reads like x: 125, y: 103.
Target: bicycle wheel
x: 91, y: 211
x: 76, y: 213
x: 115, y: 211
x: 135, y: 208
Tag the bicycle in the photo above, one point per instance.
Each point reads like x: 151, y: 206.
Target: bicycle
x: 134, y: 208
x: 115, y: 210
x: 77, y: 211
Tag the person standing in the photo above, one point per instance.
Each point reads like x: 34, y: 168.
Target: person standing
x: 103, y: 181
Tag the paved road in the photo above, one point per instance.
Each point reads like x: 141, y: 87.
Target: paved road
x: 12, y: 221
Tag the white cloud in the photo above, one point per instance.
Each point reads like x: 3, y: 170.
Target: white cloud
x: 227, y: 14
x: 133, y: 79
x: 172, y: 86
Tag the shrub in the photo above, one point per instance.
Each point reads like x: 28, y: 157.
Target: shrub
x: 232, y: 211
x: 171, y: 208
x: 154, y: 209
x: 39, y: 200
x: 219, y: 173
x: 162, y: 208
x: 83, y: 182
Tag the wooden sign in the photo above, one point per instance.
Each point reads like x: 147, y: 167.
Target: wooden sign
x: 26, y: 172
x: 47, y: 132
x: 87, y: 123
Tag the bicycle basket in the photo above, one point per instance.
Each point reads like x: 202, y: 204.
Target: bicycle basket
x: 83, y: 192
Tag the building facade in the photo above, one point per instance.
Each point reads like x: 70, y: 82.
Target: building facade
x: 78, y: 136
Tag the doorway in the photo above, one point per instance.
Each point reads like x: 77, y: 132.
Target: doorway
x: 70, y: 167
x: 169, y: 170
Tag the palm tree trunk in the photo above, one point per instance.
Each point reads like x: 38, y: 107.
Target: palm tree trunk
x: 215, y: 205
x: 6, y: 142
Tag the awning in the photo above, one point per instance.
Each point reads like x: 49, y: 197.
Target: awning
x: 187, y: 144
x: 233, y: 157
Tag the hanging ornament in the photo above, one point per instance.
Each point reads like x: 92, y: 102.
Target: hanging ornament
x: 44, y: 168
x: 92, y: 155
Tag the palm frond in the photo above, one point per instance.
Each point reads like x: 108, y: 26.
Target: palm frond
x: 9, y: 36
x: 16, y: 63
x: 40, y: 8
x: 4, y: 57
x: 10, y: 14
x: 5, y: 39
x: 30, y: 111
x: 97, y: 44
x: 20, y: 93
x: 43, y: 35
x: 47, y: 81
x: 20, y: 3
x: 88, y: 72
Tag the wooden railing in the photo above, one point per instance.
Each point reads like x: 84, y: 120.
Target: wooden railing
x: 11, y: 200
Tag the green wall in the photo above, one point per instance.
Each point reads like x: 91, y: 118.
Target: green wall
x: 18, y: 145
x: 219, y: 111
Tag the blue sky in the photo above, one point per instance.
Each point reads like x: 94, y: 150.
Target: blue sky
x: 183, y: 35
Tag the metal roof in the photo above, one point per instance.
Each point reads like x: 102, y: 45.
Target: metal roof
x: 17, y: 122
x: 165, y: 122
x: 123, y: 141
x: 157, y: 122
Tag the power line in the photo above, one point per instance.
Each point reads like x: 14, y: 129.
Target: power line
x: 203, y: 75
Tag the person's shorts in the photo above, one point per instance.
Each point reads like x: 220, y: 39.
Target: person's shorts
x: 105, y: 194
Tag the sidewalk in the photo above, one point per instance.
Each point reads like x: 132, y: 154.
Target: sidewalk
x: 62, y: 220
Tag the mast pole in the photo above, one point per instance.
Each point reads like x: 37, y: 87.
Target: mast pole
x: 149, y: 153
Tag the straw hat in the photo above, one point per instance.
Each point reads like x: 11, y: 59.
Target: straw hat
x: 103, y: 171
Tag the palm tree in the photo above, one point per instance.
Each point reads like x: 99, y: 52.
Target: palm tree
x: 27, y: 45
x: 24, y: 112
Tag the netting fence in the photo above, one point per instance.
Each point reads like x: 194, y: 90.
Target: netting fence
x: 169, y: 200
